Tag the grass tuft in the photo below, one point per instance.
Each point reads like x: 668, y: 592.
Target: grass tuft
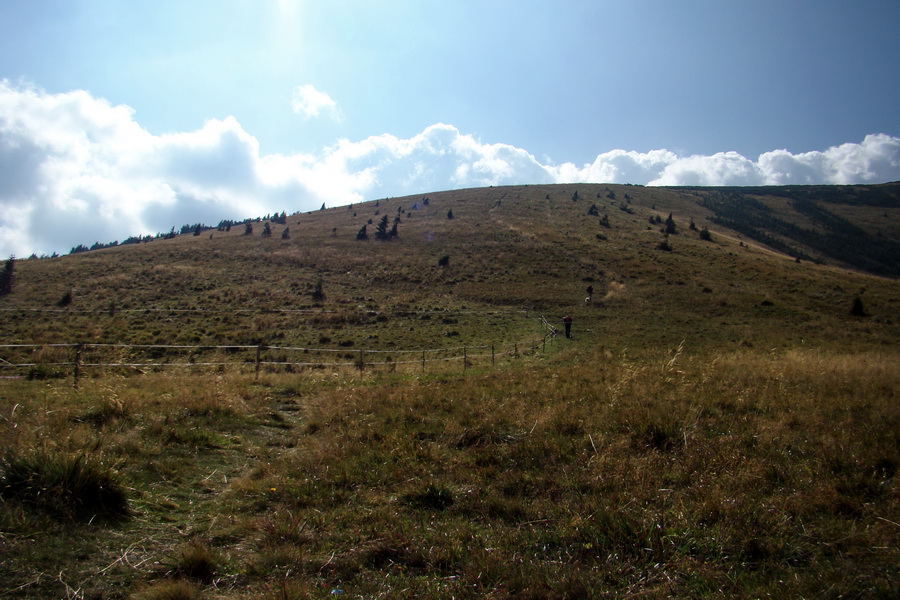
x: 69, y: 486
x: 169, y: 589
x: 195, y: 561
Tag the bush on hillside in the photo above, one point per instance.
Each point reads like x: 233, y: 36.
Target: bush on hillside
x: 6, y: 276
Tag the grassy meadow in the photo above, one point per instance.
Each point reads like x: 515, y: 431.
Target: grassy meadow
x: 719, y: 426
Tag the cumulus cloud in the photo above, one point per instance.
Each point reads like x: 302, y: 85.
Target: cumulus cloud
x: 310, y: 102
x: 75, y: 169
x: 875, y: 160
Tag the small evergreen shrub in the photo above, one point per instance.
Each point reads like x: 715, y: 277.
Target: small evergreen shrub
x: 66, y: 300
x: 6, y: 276
x: 318, y: 293
x: 671, y: 229
x: 381, y: 230
x: 857, y: 309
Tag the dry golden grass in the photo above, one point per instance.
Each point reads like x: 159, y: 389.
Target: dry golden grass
x: 719, y: 426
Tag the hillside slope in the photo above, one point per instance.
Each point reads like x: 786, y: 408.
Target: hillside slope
x: 719, y: 426
x: 525, y: 250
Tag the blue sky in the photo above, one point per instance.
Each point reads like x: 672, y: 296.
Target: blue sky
x: 128, y: 117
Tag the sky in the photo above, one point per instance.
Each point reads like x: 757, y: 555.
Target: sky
x: 129, y: 117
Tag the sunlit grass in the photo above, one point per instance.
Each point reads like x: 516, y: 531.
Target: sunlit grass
x: 719, y: 426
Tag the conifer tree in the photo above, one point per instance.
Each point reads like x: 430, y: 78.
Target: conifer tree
x: 381, y: 230
x: 857, y: 309
x: 318, y: 293
x: 670, y: 225
x: 6, y: 276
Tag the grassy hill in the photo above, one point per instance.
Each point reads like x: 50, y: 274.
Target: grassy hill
x: 720, y: 425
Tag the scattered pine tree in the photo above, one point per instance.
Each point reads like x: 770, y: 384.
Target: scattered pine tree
x: 66, y: 300
x: 381, y: 230
x: 318, y: 293
x: 857, y: 309
x: 670, y: 225
x: 6, y: 276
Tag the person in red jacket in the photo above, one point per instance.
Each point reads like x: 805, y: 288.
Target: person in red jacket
x: 567, y: 321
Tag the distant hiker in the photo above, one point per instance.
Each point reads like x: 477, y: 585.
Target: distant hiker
x: 590, y: 292
x: 567, y: 321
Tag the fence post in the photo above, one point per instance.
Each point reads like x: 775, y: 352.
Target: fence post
x: 259, y: 348
x: 492, y: 355
x: 77, y: 371
x: 423, y: 361
x: 516, y: 350
x: 362, y: 360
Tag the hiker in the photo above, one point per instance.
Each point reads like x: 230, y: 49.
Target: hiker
x: 590, y: 292
x: 567, y: 321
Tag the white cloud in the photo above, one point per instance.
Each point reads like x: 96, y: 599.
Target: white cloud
x: 876, y: 159
x: 75, y: 169
x: 310, y: 102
